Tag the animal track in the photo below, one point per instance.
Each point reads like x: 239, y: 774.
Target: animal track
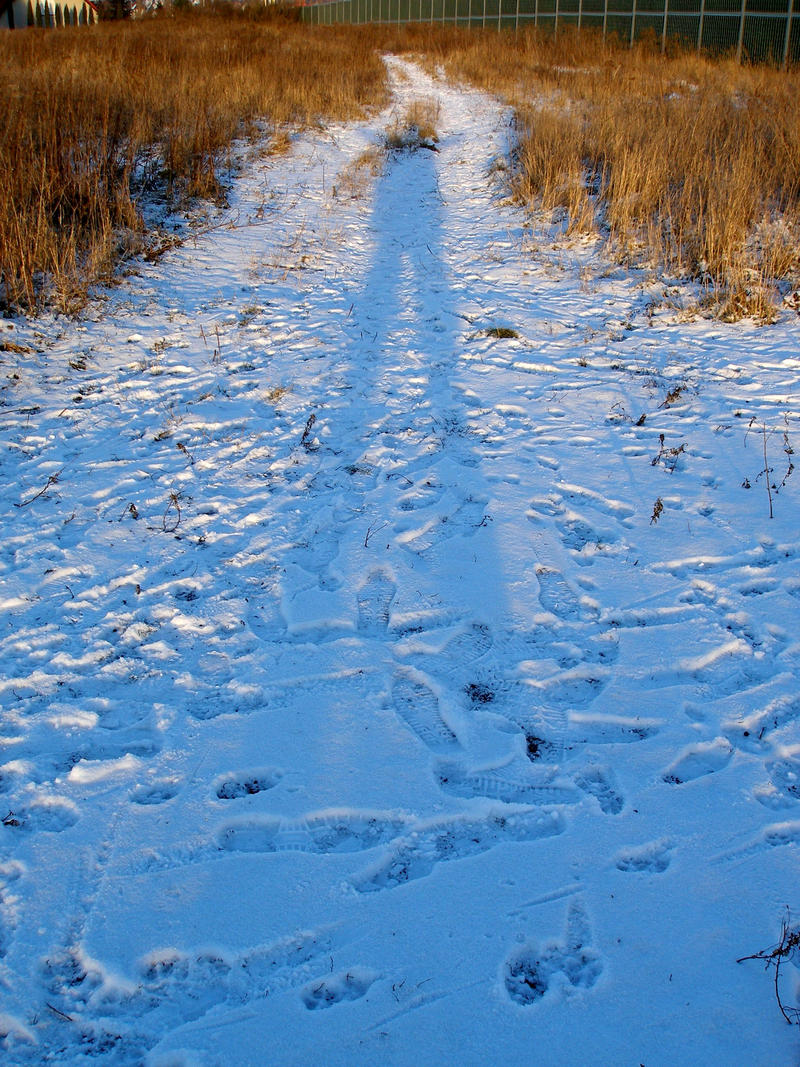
x: 244, y: 784
x: 652, y: 858
x: 333, y: 989
x: 416, y: 854
x: 418, y: 706
x: 529, y: 974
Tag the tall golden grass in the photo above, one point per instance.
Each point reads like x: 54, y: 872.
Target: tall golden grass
x: 683, y: 162
x: 93, y: 117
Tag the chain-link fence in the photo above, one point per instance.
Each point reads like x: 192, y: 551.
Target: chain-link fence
x: 759, y: 30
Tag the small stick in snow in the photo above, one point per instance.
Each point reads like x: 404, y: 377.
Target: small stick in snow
x: 52, y: 480
x: 787, y: 946
x: 304, y: 440
x: 371, y: 530
x: 171, y: 525
x: 767, y: 471
x: 60, y: 1014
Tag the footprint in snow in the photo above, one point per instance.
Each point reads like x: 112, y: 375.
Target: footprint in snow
x: 335, y: 988
x: 455, y: 780
x: 755, y: 730
x: 156, y: 792
x: 246, y: 783
x: 531, y: 972
x: 324, y: 833
x: 776, y: 835
x: 456, y: 838
x: 374, y: 600
x: 50, y: 814
x: 9, y: 873
x: 470, y: 644
x: 783, y: 788
x: 557, y: 597
x: 698, y: 760
x: 418, y: 706
x: 425, y: 493
x: 600, y: 783
x: 174, y: 984
x: 652, y: 858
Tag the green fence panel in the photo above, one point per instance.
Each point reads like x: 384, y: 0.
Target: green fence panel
x: 720, y: 34
x: 768, y: 32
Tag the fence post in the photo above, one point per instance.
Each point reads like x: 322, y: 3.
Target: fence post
x: 580, y: 14
x: 741, y: 33
x: 516, y: 20
x: 664, y: 28
x: 499, y: 13
x: 605, y: 19
x: 555, y: 31
x: 788, y: 36
x: 633, y: 22
x: 483, y: 22
x: 700, y: 25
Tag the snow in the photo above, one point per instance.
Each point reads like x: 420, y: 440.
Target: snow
x: 359, y: 704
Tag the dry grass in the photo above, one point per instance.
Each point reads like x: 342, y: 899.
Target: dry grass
x: 684, y: 163
x: 96, y: 118
x: 355, y: 179
x: 688, y: 164
x: 416, y: 128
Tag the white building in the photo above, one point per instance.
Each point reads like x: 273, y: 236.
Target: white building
x: 17, y: 14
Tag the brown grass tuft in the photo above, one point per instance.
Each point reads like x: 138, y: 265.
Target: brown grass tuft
x: 416, y: 128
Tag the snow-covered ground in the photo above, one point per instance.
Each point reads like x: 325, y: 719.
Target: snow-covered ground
x: 377, y: 689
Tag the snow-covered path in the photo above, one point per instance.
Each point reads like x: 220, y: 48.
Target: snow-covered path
x: 394, y: 667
